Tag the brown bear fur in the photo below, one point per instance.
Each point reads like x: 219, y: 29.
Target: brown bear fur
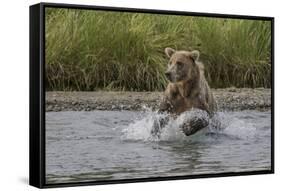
x: 188, y: 87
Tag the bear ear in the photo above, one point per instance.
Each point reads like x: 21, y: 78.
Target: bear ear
x: 195, y: 55
x: 169, y: 52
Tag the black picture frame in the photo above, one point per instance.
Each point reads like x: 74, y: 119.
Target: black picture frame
x: 37, y: 94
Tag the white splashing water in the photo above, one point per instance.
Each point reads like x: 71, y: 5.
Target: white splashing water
x: 223, y: 123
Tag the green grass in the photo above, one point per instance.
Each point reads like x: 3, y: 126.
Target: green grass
x: 92, y: 50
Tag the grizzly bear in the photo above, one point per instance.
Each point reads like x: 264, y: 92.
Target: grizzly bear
x: 187, y: 89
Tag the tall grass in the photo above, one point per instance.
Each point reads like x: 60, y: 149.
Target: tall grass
x: 91, y: 50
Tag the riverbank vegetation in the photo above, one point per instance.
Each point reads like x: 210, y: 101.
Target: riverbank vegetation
x: 91, y: 50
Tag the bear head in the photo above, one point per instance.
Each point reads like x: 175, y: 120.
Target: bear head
x: 182, y: 65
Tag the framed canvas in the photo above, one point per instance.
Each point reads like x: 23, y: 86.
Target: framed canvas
x: 123, y: 95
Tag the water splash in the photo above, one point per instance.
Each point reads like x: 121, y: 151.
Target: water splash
x: 223, y: 124
x: 141, y: 129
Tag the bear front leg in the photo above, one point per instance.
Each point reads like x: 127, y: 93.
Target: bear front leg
x: 194, y: 124
x: 161, y: 120
x: 158, y: 125
x: 165, y: 106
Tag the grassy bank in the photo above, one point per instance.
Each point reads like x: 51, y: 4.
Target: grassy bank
x: 90, y: 50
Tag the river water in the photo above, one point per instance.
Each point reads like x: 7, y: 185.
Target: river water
x: 109, y: 145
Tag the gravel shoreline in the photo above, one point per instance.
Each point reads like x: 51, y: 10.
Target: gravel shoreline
x: 233, y: 99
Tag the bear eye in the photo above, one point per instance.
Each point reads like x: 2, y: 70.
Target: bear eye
x: 180, y: 64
